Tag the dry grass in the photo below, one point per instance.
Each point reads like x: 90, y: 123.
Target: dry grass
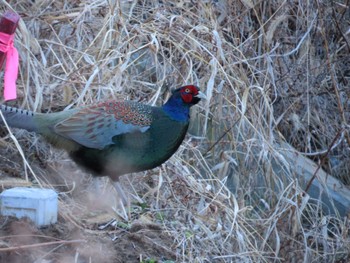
x: 272, y: 70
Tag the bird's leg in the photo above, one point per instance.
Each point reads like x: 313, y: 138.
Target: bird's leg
x: 123, y: 201
x: 120, y: 192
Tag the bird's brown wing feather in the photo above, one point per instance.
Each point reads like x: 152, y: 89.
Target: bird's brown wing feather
x: 95, y: 126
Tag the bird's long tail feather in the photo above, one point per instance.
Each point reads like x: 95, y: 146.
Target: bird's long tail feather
x: 18, y: 118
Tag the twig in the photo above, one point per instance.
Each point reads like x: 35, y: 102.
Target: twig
x: 42, y: 244
x: 335, y: 88
x: 323, y: 160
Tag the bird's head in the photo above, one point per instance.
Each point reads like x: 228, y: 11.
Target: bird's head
x: 178, y: 105
x: 190, y: 94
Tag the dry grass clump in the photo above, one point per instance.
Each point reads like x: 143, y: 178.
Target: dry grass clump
x: 272, y: 70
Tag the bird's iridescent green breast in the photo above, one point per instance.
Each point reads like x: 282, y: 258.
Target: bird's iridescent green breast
x: 137, y: 151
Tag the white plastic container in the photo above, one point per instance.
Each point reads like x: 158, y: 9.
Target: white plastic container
x: 39, y: 205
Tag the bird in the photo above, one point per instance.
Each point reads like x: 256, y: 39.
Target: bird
x: 113, y: 138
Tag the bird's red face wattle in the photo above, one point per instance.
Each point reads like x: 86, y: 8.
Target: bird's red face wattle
x: 189, y: 93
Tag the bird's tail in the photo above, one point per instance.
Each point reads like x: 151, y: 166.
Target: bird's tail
x: 18, y: 118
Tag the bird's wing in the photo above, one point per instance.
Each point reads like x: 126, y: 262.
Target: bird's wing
x: 95, y: 126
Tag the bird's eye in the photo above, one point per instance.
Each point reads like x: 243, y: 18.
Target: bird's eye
x: 187, y: 90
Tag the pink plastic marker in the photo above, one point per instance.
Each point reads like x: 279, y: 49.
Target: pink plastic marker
x: 8, y: 25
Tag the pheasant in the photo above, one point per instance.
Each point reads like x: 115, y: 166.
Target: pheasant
x: 113, y: 138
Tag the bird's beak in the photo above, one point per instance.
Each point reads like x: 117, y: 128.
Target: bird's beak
x: 201, y: 95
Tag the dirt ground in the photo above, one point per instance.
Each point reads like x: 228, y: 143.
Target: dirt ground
x: 24, y: 242
x: 85, y: 231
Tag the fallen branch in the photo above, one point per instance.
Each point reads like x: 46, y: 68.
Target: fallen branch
x: 42, y: 244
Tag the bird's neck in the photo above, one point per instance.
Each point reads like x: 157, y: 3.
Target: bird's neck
x: 177, y: 109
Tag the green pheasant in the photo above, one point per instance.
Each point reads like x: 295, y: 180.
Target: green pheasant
x: 113, y: 138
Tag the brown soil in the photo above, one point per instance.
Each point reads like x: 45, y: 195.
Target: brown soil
x: 21, y: 241
x: 77, y: 236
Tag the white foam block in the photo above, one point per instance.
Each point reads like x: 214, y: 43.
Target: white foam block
x: 39, y: 205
